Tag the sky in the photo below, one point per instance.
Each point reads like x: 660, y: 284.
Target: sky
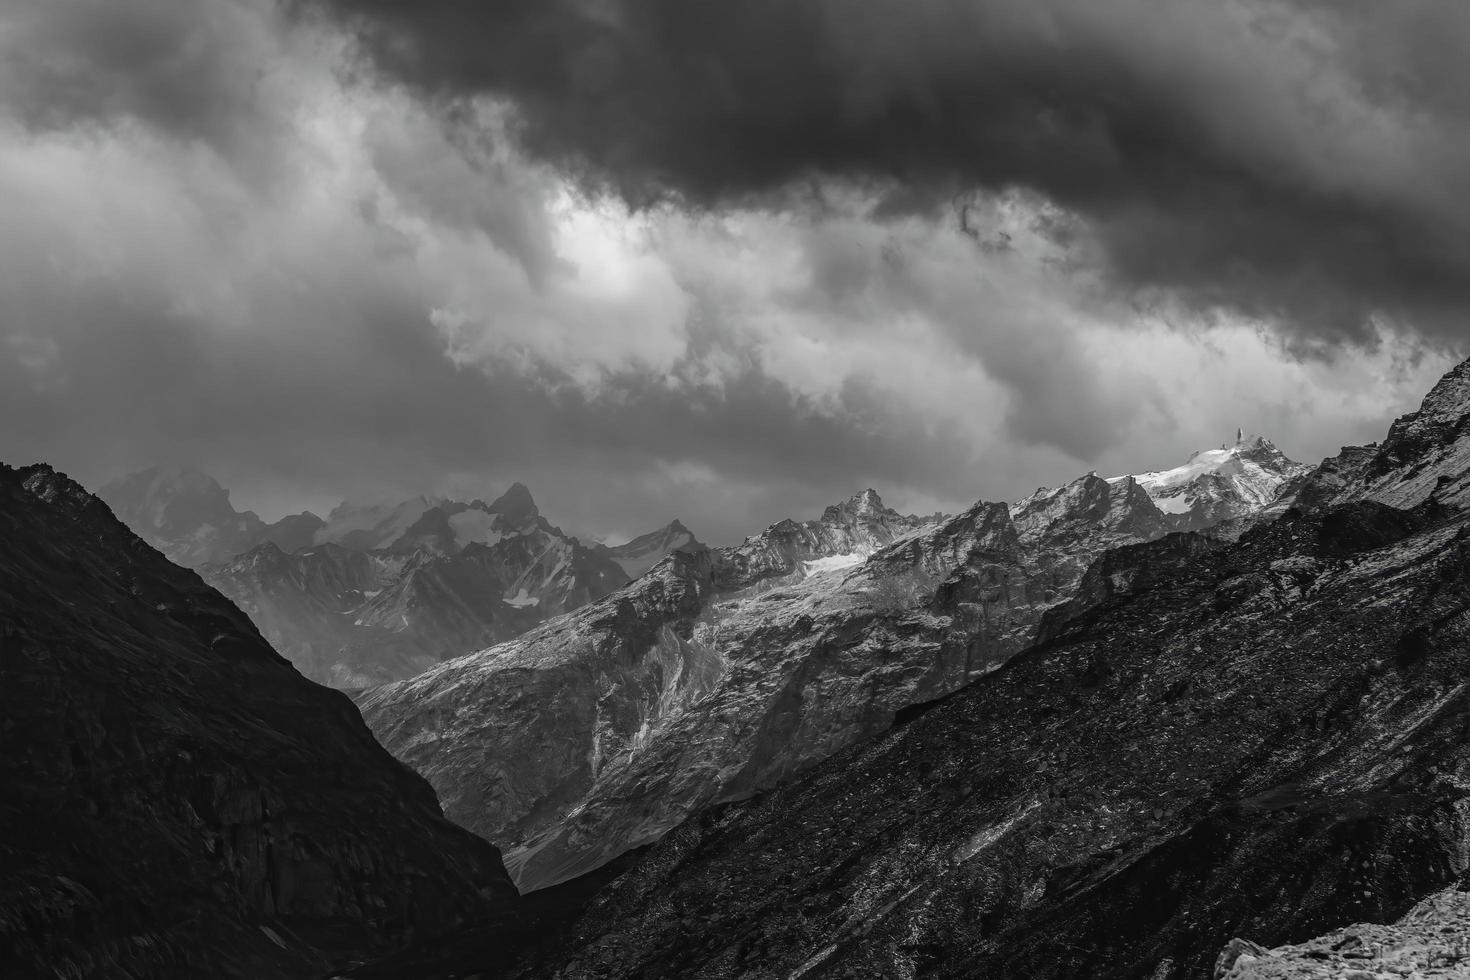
x: 726, y: 262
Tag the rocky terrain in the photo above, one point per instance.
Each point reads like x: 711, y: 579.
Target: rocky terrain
x: 1263, y: 739
x: 1432, y: 941
x: 721, y: 673
x: 379, y: 592
x: 178, y: 800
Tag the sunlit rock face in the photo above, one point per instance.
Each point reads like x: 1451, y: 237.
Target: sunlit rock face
x: 179, y: 800
x: 721, y: 673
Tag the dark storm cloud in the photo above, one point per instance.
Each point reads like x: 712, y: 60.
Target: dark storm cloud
x: 1300, y: 162
x: 195, y: 70
x: 220, y: 248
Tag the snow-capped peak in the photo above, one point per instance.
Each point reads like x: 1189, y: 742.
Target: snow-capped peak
x: 1218, y: 484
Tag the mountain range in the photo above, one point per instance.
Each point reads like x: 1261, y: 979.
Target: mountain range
x: 722, y: 673
x: 379, y: 592
x: 1123, y: 727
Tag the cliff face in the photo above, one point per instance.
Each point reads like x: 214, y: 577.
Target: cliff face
x: 178, y: 800
x: 1263, y: 739
x: 720, y: 673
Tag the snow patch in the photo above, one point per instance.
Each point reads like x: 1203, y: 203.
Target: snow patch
x: 521, y: 599
x: 832, y: 563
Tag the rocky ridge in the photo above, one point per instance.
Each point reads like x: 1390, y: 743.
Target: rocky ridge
x: 1424, y: 458
x: 178, y: 800
x: 719, y: 674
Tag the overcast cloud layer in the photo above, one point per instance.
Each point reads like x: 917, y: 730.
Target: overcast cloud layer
x: 726, y: 262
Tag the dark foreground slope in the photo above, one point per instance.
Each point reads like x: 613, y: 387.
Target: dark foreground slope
x: 1264, y: 739
x: 175, y: 799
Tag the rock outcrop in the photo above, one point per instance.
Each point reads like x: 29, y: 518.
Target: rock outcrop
x: 1424, y: 458
x: 1431, y: 942
x: 177, y: 800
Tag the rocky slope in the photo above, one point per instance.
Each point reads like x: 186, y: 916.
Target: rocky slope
x: 722, y: 672
x: 178, y: 800
x: 1261, y: 739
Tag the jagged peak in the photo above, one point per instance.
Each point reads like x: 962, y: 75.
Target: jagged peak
x: 516, y: 504
x: 864, y: 503
x: 1450, y: 394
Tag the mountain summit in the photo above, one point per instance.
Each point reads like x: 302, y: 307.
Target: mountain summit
x: 515, y: 505
x: 1218, y: 485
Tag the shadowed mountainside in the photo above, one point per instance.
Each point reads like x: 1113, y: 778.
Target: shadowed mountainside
x: 178, y: 800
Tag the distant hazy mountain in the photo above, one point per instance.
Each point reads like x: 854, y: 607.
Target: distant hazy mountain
x: 647, y: 550
x: 187, y: 516
x: 378, y: 592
